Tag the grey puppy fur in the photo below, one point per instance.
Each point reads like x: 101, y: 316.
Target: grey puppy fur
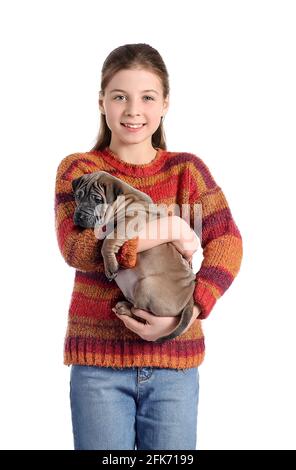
x: 162, y: 282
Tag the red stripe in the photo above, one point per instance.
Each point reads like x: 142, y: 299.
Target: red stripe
x: 84, y: 306
x: 205, y: 299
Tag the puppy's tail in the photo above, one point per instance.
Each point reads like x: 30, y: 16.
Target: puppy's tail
x: 185, y: 318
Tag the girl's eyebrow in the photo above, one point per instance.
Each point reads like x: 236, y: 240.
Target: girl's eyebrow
x: 144, y: 91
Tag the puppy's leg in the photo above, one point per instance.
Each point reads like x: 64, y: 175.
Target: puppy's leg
x: 124, y: 308
x: 111, y: 265
x: 110, y: 247
x: 114, y: 241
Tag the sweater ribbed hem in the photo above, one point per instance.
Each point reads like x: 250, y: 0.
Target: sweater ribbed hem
x: 121, y: 354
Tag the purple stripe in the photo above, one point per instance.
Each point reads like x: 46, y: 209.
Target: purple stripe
x: 216, y: 224
x: 93, y: 276
x: 217, y: 276
x: 180, y: 348
x: 197, y: 162
x: 64, y: 197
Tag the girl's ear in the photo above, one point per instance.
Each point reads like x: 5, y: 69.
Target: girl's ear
x: 101, y: 107
x: 166, y: 104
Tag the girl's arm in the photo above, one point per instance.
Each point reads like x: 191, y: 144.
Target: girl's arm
x: 169, y: 229
x: 79, y: 246
x: 221, y: 240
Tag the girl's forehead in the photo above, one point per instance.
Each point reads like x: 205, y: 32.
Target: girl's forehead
x: 135, y: 78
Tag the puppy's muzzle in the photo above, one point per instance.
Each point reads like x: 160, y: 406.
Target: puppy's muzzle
x: 84, y: 219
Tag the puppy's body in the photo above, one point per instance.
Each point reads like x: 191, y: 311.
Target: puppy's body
x: 162, y: 282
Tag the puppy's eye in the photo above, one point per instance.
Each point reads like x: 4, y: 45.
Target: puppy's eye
x: 97, y: 199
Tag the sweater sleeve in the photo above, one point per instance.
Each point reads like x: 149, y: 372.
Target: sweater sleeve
x: 79, y: 246
x: 221, y: 240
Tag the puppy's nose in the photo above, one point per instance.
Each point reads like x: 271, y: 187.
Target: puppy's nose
x: 79, y: 218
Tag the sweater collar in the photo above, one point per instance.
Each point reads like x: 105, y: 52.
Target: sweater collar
x: 134, y: 169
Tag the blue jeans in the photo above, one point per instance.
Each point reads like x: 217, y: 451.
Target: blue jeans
x: 134, y: 408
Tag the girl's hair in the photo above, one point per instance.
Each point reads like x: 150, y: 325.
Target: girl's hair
x: 131, y: 56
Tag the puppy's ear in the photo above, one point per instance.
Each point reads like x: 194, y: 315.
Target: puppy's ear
x: 76, y: 183
x: 113, y: 190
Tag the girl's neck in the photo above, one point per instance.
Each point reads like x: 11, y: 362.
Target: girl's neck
x: 138, y: 154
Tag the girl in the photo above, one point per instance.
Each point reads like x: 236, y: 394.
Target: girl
x: 126, y: 391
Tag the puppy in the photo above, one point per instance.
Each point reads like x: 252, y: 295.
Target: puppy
x: 162, y: 282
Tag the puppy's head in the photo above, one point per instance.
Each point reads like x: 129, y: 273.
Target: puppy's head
x: 94, y: 192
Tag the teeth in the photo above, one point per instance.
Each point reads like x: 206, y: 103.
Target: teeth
x: 134, y: 126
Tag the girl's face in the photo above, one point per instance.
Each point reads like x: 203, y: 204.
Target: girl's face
x: 133, y: 97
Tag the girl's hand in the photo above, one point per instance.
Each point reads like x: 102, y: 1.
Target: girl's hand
x: 184, y: 238
x: 155, y: 326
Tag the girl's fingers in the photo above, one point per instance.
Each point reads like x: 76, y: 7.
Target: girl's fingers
x: 142, y: 314
x: 131, y: 323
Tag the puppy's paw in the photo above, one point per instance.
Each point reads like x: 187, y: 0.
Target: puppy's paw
x: 124, y: 308
x: 111, y: 276
x: 111, y: 269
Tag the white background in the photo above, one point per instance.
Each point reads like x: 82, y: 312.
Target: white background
x: 232, y: 76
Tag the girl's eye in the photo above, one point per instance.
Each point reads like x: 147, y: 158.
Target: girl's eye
x: 122, y: 96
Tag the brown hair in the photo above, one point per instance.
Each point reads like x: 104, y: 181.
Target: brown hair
x: 131, y: 56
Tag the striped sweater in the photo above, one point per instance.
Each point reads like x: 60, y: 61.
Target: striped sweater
x: 95, y: 336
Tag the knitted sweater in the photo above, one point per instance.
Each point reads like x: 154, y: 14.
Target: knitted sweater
x: 95, y: 336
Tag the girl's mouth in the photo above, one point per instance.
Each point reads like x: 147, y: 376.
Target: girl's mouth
x: 133, y: 127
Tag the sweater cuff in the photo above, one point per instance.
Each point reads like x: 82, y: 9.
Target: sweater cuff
x: 204, y: 298
x: 127, y: 254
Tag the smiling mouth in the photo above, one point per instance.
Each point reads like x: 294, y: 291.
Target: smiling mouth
x: 133, y: 126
